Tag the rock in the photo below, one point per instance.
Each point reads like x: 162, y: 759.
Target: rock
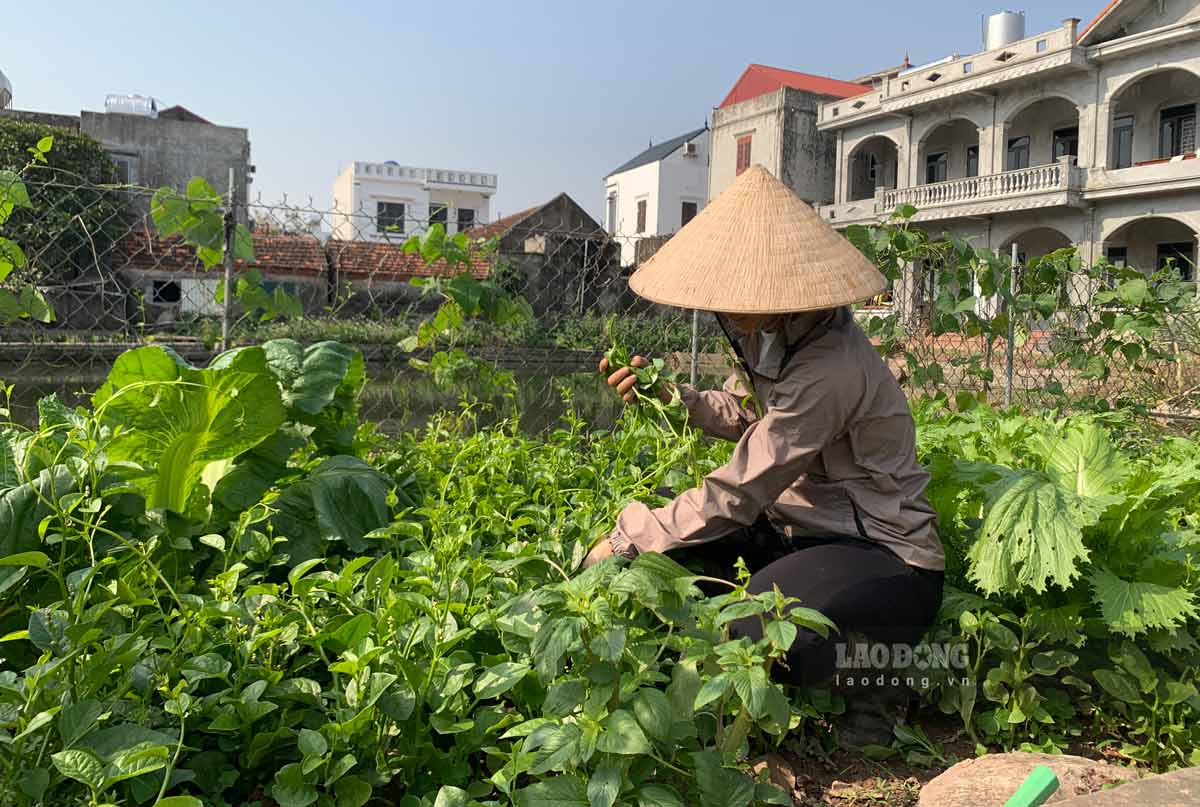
x: 989, y: 781
x: 1176, y: 789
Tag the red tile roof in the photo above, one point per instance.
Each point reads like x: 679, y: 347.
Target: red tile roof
x: 759, y: 79
x: 383, y: 261
x: 273, y: 255
x: 1099, y: 18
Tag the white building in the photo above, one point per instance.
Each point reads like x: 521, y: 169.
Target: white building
x: 1076, y: 135
x: 389, y: 202
x: 5, y: 92
x: 658, y: 191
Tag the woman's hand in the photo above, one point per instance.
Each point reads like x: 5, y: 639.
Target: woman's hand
x: 602, y: 549
x: 623, y: 380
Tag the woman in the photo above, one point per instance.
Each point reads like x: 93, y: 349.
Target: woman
x: 823, y: 495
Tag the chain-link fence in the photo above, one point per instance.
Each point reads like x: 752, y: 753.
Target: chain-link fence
x: 115, y: 283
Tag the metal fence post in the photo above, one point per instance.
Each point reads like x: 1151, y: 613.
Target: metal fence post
x: 695, y: 346
x: 1011, y: 338
x: 227, y: 281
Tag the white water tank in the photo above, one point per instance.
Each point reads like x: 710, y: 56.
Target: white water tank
x: 142, y: 105
x: 5, y: 92
x: 1003, y: 28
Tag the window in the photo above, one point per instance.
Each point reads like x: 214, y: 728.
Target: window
x: 1066, y: 142
x: 389, y: 217
x: 743, y: 154
x: 1118, y: 257
x: 968, y: 67
x: 1042, y: 45
x: 612, y: 213
x: 935, y: 167
x: 1122, y: 152
x: 1177, y: 131
x: 641, y: 216
x: 166, y: 292
x: 1179, y: 256
x: 437, y: 213
x: 872, y: 171
x: 972, y: 161
x: 126, y: 168
x: 1018, y: 153
x: 933, y: 76
x: 466, y: 219
x: 687, y: 213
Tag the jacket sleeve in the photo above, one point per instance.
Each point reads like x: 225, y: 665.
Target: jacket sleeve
x: 725, y: 413
x: 773, y: 452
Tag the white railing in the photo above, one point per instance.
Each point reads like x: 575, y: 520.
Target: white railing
x: 1040, y: 178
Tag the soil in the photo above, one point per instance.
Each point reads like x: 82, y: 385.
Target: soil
x: 848, y: 779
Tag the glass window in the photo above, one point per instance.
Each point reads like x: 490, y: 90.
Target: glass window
x: 935, y: 167
x: 968, y: 67
x: 1122, y: 149
x: 1066, y: 142
x: 126, y: 168
x: 687, y: 213
x: 1177, y: 131
x: 437, y: 213
x: 1018, y: 153
x: 743, y: 154
x: 389, y: 217
x: 1042, y: 45
x: 466, y: 219
x: 641, y: 216
x: 972, y: 161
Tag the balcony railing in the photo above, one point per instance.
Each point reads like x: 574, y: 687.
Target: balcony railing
x: 1057, y: 176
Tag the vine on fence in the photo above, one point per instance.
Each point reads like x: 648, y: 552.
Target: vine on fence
x: 25, y: 300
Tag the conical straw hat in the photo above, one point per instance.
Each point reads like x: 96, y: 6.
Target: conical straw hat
x: 757, y: 249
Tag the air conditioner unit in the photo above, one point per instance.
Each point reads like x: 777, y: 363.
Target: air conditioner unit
x: 689, y: 149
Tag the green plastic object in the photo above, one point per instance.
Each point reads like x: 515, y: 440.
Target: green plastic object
x: 1038, y: 786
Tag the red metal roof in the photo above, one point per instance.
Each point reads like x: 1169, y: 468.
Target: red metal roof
x: 759, y: 79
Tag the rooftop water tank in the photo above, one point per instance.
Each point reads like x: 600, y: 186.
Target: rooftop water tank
x: 1003, y: 28
x: 142, y: 105
x: 5, y: 92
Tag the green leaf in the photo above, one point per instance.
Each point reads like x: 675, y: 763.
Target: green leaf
x: 311, y: 743
x: 78, y: 719
x: 781, y: 634
x: 559, y: 745
x: 721, y: 786
x: 497, y: 680
x: 659, y: 796
x: 1132, y: 608
x: 182, y: 424
x: 563, y: 697
x: 45, y: 144
x: 12, y: 190
x: 33, y: 782
x: 560, y: 791
x: 1178, y: 692
x: 81, y: 766
x: 291, y: 790
x: 553, y: 640
x: 38, y: 560
x: 179, y: 801
x: 354, y: 792
x: 751, y: 685
x: 35, y: 305
x: 206, y: 665
x: 1134, y: 661
x: 1119, y: 685
x: 243, y: 244
x: 604, y: 785
x: 1085, y: 461
x: 652, y: 709
x: 713, y: 688
x: 609, y: 644
x: 622, y: 735
x: 1032, y: 534
x: 141, y: 759
x: 342, y: 499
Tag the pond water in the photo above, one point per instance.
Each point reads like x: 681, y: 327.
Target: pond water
x: 395, y: 398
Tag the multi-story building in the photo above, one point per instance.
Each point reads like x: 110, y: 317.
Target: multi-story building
x: 1083, y: 136
x: 388, y: 201
x: 769, y: 118
x: 658, y: 191
x: 5, y: 91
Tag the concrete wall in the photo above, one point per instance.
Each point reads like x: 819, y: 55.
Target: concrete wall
x: 761, y: 118
x: 808, y: 157
x: 171, y: 152
x: 45, y: 118
x: 633, y: 186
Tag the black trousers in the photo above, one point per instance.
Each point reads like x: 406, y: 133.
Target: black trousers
x: 860, y: 584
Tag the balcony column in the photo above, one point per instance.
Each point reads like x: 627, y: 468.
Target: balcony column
x: 841, y: 191
x: 999, y: 147
x: 1102, y: 121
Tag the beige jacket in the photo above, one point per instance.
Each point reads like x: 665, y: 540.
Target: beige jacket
x: 833, y: 453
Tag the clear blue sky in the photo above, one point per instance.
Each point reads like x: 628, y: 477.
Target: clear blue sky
x: 550, y: 95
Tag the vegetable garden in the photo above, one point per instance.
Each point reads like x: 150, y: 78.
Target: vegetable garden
x: 221, y: 587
